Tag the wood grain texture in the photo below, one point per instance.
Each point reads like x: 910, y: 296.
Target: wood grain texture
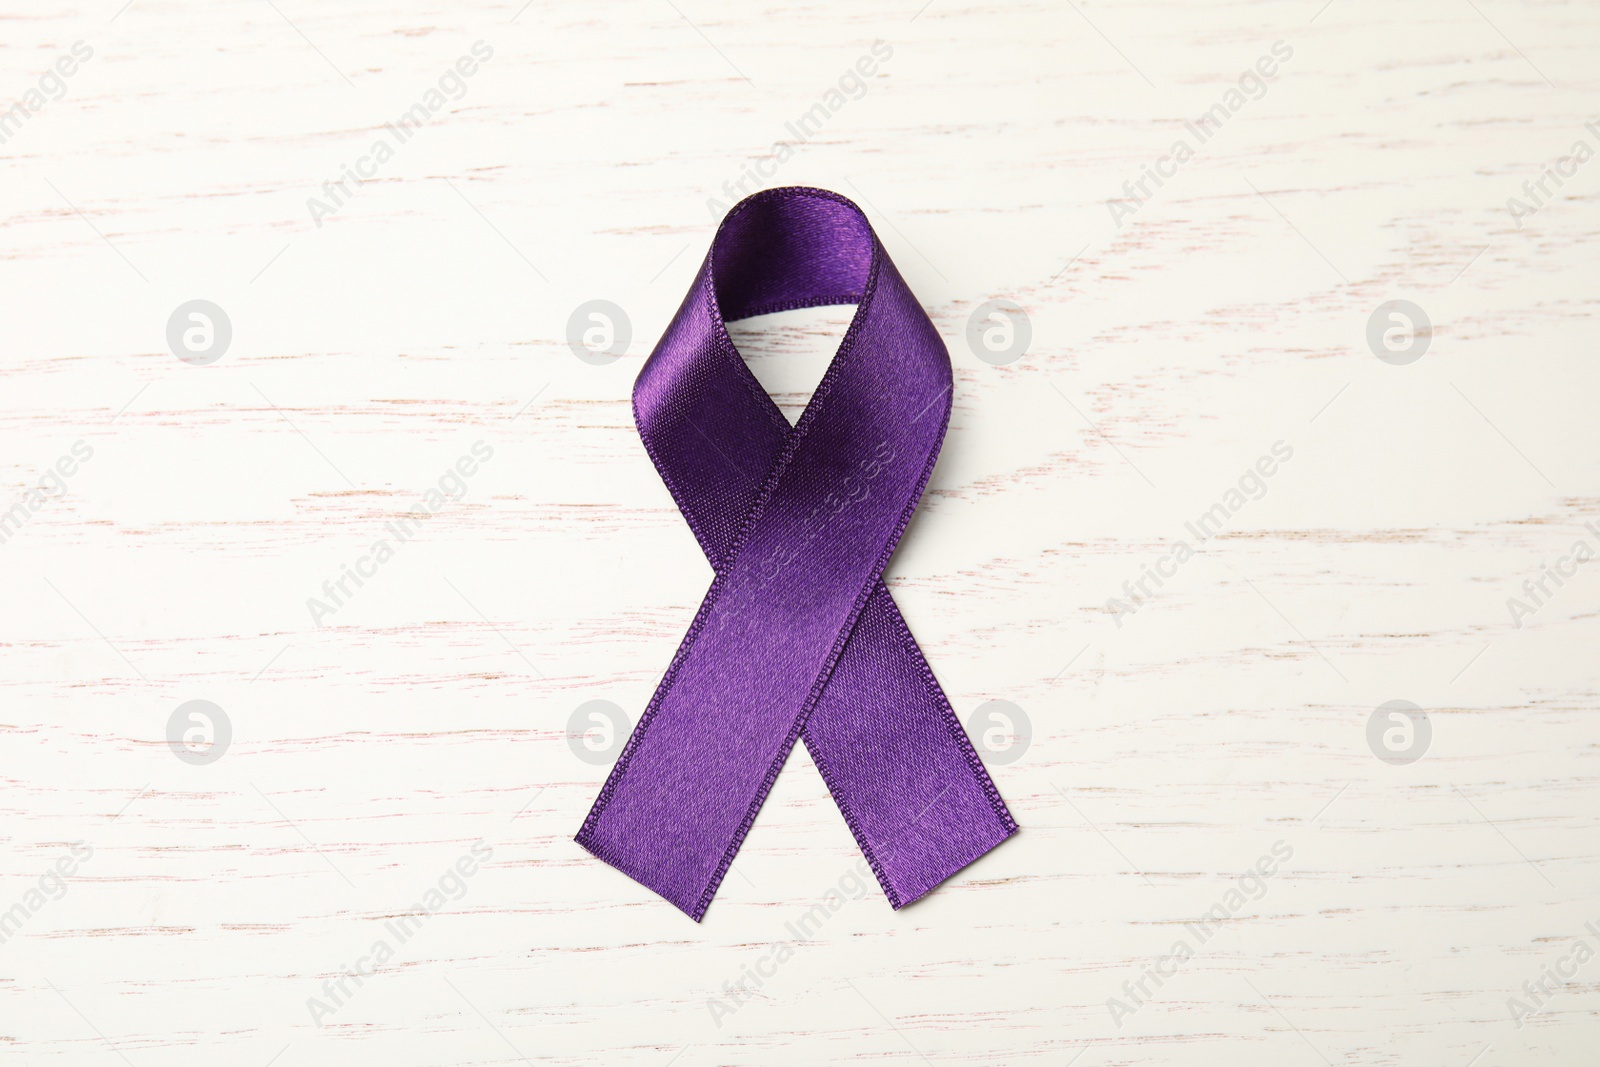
x: 1171, y: 748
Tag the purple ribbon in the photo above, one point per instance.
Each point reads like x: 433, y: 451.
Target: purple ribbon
x: 798, y: 635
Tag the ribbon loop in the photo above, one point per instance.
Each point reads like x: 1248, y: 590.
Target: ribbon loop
x: 797, y: 635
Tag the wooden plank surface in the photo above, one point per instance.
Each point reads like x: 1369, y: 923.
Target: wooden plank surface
x: 1223, y: 859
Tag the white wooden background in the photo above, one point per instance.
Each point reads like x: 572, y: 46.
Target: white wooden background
x: 1166, y: 754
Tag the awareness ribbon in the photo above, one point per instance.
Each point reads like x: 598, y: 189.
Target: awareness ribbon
x: 798, y: 636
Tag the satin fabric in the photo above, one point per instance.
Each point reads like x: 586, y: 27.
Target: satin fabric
x: 797, y: 636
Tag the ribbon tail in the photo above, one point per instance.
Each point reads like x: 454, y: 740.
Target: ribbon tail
x: 901, y: 769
